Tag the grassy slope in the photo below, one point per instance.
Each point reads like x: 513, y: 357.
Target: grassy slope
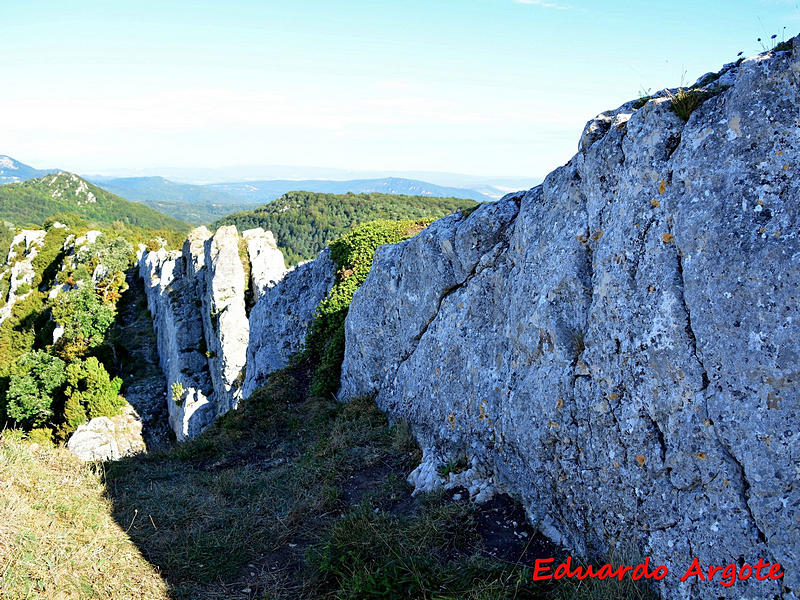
x: 58, y: 538
x: 33, y: 201
x: 304, y: 222
x: 287, y: 497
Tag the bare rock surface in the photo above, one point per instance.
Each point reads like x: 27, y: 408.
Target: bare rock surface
x: 267, y: 266
x: 108, y: 438
x: 281, y: 317
x: 617, y: 347
x: 210, y: 350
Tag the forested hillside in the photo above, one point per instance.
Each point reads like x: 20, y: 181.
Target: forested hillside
x: 35, y: 200
x: 304, y: 222
x: 59, y: 349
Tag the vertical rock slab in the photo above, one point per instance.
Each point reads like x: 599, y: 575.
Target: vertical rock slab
x: 267, y: 266
x: 621, y: 355
x: 178, y: 324
x: 280, y: 318
x: 227, y: 332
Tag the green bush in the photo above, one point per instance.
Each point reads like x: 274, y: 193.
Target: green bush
x: 47, y: 262
x: 85, y: 319
x: 352, y: 254
x: 90, y: 392
x: 33, y: 384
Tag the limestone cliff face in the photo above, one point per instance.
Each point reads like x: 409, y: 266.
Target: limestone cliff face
x: 177, y: 321
x: 18, y: 268
x: 618, y: 346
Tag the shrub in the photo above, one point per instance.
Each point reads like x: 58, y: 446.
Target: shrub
x: 352, y: 254
x: 90, y: 392
x: 34, y: 383
x: 177, y: 393
x: 42, y: 436
x: 85, y: 319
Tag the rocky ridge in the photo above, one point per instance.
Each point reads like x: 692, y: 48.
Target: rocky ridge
x: 616, y: 347
x: 211, y: 351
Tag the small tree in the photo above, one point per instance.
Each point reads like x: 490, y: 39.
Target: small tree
x: 90, y: 392
x: 35, y: 381
x: 85, y: 319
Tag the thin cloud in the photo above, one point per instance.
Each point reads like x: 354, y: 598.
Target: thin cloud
x: 543, y: 4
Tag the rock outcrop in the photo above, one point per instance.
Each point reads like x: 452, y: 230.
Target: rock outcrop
x: 281, y: 317
x: 618, y: 346
x: 20, y: 273
x: 197, y: 299
x: 267, y: 266
x: 108, y: 438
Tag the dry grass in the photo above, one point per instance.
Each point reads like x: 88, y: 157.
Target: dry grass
x: 57, y: 536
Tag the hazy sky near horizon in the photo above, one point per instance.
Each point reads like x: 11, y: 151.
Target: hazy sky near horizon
x: 485, y: 87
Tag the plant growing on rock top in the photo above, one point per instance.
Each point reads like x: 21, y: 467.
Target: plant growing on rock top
x: 684, y: 102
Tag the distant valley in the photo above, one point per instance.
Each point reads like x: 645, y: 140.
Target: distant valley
x: 209, y: 202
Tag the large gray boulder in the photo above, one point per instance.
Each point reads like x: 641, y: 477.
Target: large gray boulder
x: 618, y: 346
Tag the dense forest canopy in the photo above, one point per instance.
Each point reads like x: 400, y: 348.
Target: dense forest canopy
x: 35, y: 200
x: 304, y: 222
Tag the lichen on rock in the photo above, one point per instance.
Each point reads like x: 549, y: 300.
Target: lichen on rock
x: 625, y: 367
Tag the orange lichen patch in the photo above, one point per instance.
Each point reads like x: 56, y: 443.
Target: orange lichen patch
x: 701, y: 455
x: 726, y: 483
x: 667, y: 238
x: 651, y: 288
x: 598, y: 233
x: 762, y: 231
x: 451, y: 418
x: 616, y: 463
x: 786, y: 167
x: 552, y: 425
x: 662, y: 187
x: 655, y: 203
x: 613, y: 396
x: 641, y: 459
x: 560, y: 403
x: 582, y: 239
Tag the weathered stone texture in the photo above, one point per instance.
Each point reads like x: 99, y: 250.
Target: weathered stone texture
x: 618, y: 346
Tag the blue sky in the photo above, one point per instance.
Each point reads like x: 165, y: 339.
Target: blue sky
x: 486, y: 87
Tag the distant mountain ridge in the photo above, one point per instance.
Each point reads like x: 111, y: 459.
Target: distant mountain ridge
x: 206, y: 203
x: 35, y: 200
x: 13, y: 171
x: 268, y: 190
x: 196, y: 204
